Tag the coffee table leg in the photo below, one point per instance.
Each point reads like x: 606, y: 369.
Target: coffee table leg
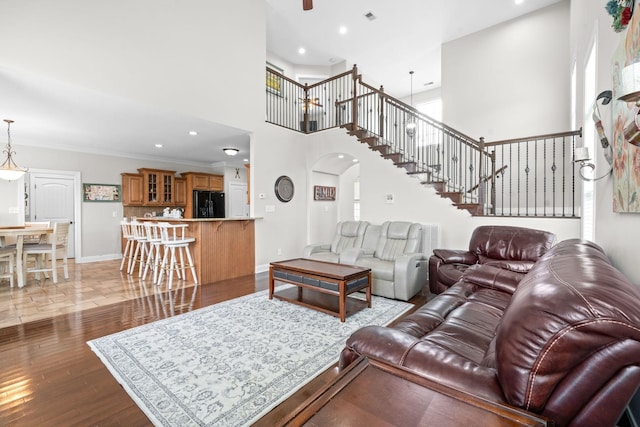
x: 343, y: 299
x: 271, y: 286
x: 369, y: 291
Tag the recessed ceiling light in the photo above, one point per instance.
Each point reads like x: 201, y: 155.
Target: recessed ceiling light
x: 193, y: 133
x: 159, y: 145
x: 355, y: 160
x: 342, y: 30
x: 341, y: 156
x: 301, y: 51
x: 519, y: 1
x: 245, y: 160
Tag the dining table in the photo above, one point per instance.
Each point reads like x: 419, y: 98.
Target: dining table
x: 20, y: 233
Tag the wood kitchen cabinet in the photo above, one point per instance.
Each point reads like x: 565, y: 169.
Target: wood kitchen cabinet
x: 204, y: 181
x: 180, y: 192
x: 158, y: 187
x: 153, y: 187
x: 132, y: 189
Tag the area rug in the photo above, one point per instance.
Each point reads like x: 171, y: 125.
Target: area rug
x: 230, y: 363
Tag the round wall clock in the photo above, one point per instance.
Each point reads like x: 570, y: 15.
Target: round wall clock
x: 284, y: 188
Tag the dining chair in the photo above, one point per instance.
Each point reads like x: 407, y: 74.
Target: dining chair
x: 55, y: 247
x: 7, y: 261
x: 174, y: 239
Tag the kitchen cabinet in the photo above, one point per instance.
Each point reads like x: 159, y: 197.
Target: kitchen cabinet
x: 158, y: 187
x: 180, y: 191
x: 204, y: 181
x: 132, y: 193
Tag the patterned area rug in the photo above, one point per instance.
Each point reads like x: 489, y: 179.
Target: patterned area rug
x: 230, y: 363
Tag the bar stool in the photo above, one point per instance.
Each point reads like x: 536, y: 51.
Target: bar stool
x: 173, y: 237
x: 140, y: 241
x: 127, y: 254
x: 154, y: 257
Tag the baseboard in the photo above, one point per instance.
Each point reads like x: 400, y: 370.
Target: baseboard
x: 262, y: 268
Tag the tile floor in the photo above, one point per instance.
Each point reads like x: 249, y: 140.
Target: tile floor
x: 89, y: 285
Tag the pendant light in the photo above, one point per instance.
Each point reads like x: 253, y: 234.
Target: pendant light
x: 9, y: 170
x: 411, y: 125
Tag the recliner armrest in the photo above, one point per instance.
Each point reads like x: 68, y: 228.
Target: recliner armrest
x: 410, y: 275
x: 315, y: 248
x: 456, y: 256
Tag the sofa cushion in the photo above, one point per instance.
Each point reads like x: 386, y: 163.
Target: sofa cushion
x: 398, y: 238
x: 510, y: 243
x: 493, y: 277
x: 349, y: 234
x: 572, y: 306
x: 379, y: 269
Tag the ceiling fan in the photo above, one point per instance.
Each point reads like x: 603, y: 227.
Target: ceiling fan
x: 307, y: 4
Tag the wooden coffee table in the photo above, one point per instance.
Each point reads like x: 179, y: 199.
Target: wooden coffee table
x: 336, y: 280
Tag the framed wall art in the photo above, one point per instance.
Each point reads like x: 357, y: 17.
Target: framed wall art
x: 324, y: 193
x: 274, y: 81
x: 101, y: 193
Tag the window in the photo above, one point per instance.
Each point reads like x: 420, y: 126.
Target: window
x: 588, y: 138
x: 432, y: 109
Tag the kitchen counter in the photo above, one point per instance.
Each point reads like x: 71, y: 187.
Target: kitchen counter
x: 224, y: 247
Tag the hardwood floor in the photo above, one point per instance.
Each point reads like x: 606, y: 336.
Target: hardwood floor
x: 50, y: 376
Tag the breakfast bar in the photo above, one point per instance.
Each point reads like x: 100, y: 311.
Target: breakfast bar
x: 224, y: 247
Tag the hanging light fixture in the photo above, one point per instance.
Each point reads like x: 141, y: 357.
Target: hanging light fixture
x: 411, y: 125
x: 9, y: 170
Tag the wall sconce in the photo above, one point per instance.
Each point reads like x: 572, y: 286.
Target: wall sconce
x: 630, y: 83
x: 581, y: 156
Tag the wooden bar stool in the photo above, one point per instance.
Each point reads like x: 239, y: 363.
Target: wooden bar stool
x: 174, y: 238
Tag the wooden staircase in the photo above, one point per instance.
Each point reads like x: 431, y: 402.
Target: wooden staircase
x: 377, y: 144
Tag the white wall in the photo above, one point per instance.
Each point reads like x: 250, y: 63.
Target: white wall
x: 166, y: 53
x: 282, y: 233
x: 413, y: 201
x: 12, y: 196
x: 510, y: 80
x: 323, y: 214
x: 617, y: 233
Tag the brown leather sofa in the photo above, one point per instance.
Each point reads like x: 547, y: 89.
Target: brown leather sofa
x: 562, y: 340
x: 515, y: 248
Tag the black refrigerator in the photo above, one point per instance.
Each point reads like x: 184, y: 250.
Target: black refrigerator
x: 208, y: 204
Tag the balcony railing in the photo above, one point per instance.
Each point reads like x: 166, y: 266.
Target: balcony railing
x: 532, y: 176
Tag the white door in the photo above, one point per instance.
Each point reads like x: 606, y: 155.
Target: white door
x: 52, y: 199
x: 238, y: 206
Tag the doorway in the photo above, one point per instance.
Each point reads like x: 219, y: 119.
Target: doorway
x: 55, y: 196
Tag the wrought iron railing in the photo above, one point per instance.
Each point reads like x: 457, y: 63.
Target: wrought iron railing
x: 520, y: 177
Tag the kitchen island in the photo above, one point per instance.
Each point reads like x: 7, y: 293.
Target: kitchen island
x: 224, y: 247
